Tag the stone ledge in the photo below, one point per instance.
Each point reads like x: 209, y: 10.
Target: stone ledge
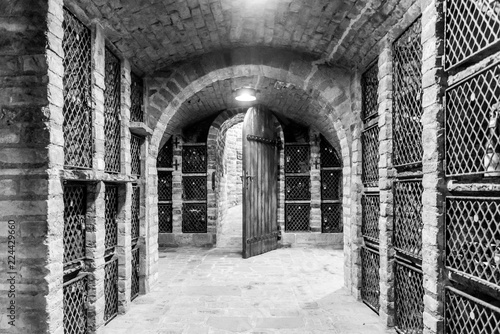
x: 186, y: 239
x: 140, y: 129
x: 94, y: 176
x: 336, y: 240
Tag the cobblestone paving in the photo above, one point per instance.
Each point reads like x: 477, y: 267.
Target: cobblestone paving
x: 290, y: 290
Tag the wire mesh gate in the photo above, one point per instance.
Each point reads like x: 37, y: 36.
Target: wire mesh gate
x: 472, y: 130
x: 369, y: 92
x: 409, y: 299
x: 369, y: 140
x: 473, y: 238
x: 331, y: 218
x: 297, y: 187
x: 470, y: 27
x: 165, y: 155
x: 77, y: 93
x: 370, y: 204
x: 407, y: 97
x: 467, y: 314
x: 135, y: 154
x: 134, y: 284
x: 75, y: 305
x: 110, y: 289
x: 75, y: 288
x: 408, y: 217
x: 370, y: 277
x: 112, y: 130
x: 136, y: 99
x: 110, y: 213
x: 331, y: 188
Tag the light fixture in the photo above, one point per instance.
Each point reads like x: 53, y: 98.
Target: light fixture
x: 245, y: 94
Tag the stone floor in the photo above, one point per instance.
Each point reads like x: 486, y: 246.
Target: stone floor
x: 231, y: 229
x: 290, y: 290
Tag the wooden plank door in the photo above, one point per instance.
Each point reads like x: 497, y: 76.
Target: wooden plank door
x: 260, y: 182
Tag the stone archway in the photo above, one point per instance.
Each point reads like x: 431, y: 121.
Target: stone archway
x: 335, y: 118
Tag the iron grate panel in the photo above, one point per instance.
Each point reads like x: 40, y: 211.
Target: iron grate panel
x: 473, y: 237
x: 165, y: 156
x: 194, y: 159
x: 297, y: 188
x: 136, y: 99
x: 164, y: 186
x: 77, y: 93
x: 370, y: 204
x: 297, y: 217
x: 370, y: 156
x: 75, y: 298
x: 135, y: 154
x: 370, y: 278
x: 472, y: 106
x: 369, y: 87
x: 297, y: 158
x: 112, y: 129
x: 194, y: 218
x: 329, y: 156
x: 408, y: 217
x: 331, y: 218
x: 467, y: 314
x: 134, y: 289
x: 331, y: 184
x: 110, y: 213
x: 135, y: 210
x: 75, y: 207
x: 110, y: 289
x: 408, y: 299
x: 470, y: 27
x: 194, y: 188
x: 165, y: 218
x: 407, y: 97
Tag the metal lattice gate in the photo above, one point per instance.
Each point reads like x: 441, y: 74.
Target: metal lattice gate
x: 110, y: 289
x: 77, y: 93
x: 370, y: 204
x: 194, y: 159
x: 471, y: 27
x: 75, y: 207
x: 112, y: 130
x: 194, y: 218
x: 472, y: 135
x: 297, y: 217
x: 370, y: 277
x: 134, y: 289
x: 473, y: 238
x: 409, y: 299
x: 165, y: 155
x: 194, y: 188
x: 135, y: 210
x: 135, y: 154
x: 369, y: 87
x: 165, y: 218
x: 467, y: 314
x: 407, y: 97
x: 331, y: 218
x: 408, y: 221
x: 369, y: 139
x: 75, y: 305
x: 136, y: 99
x: 110, y: 213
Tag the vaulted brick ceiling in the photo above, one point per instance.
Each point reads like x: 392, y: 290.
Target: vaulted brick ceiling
x: 157, y: 33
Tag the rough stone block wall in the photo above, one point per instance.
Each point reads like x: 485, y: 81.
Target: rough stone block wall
x: 30, y: 148
x: 233, y: 161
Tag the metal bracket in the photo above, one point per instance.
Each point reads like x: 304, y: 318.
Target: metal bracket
x: 263, y: 140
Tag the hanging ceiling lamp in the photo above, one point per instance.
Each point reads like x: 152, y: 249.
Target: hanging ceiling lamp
x: 245, y: 94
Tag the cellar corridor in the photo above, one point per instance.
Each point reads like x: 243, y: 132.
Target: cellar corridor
x: 290, y: 290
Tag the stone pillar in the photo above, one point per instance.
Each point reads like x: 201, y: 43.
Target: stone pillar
x: 385, y: 184
x: 315, y: 177
x: 356, y: 188
x: 30, y: 154
x: 433, y: 79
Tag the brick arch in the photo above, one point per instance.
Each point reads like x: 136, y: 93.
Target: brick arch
x: 329, y: 86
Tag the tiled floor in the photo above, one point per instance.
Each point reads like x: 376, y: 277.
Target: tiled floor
x: 290, y: 290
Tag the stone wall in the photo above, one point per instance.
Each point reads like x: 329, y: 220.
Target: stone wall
x: 233, y: 164
x: 33, y: 174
